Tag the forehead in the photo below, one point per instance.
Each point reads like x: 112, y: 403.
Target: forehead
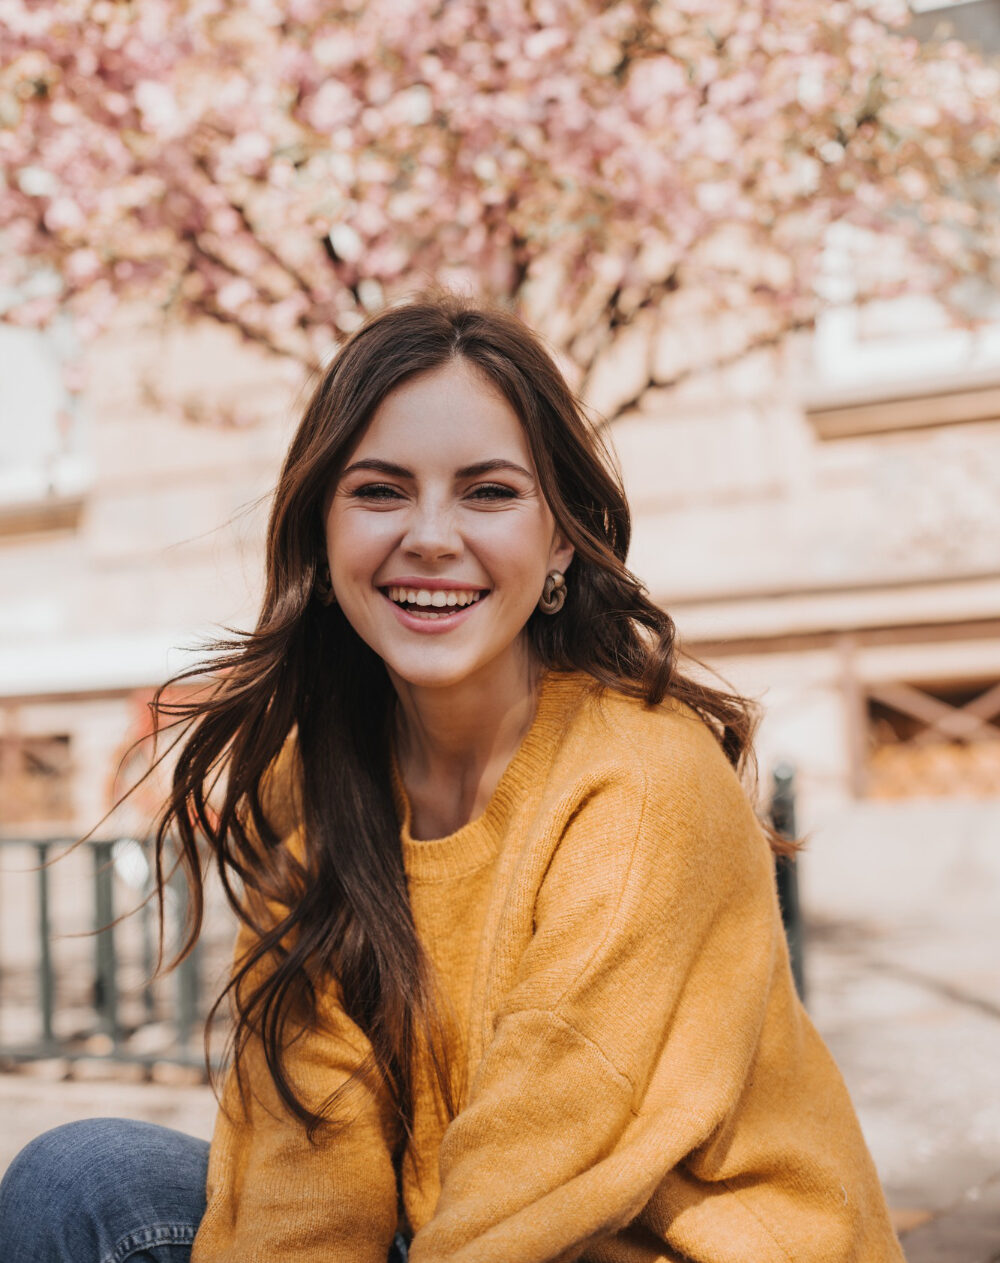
x: 450, y: 415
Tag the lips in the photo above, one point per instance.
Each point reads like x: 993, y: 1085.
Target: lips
x: 433, y: 609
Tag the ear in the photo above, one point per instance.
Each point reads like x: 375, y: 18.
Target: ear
x: 561, y: 552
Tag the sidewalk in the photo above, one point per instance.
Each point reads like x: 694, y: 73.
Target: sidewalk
x: 919, y: 1046
x: 903, y: 968
x: 968, y: 1233
x: 30, y: 1104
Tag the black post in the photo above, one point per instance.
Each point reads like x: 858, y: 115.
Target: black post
x: 146, y: 930
x: 188, y: 971
x: 105, y: 980
x: 46, y: 980
x: 786, y: 871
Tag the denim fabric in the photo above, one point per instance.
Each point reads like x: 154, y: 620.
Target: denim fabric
x: 105, y: 1191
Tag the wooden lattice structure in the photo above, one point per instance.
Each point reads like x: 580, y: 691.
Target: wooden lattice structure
x: 933, y: 740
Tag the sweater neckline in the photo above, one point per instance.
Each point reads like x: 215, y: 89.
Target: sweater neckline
x: 477, y: 841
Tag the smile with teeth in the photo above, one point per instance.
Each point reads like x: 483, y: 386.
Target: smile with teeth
x: 436, y: 603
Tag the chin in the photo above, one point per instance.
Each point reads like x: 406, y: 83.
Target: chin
x: 430, y: 675
x: 422, y: 667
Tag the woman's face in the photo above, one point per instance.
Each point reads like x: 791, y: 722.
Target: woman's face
x: 437, y: 533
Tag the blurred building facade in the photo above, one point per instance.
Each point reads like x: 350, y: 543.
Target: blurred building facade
x: 824, y: 524
x: 130, y: 531
x: 132, y: 519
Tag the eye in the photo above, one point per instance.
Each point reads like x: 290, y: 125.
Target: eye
x: 492, y: 491
x: 376, y: 491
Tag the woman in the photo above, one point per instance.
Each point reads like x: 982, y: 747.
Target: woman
x: 510, y: 976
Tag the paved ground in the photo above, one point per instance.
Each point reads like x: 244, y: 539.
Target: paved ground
x: 29, y: 1105
x: 904, y: 971
x: 921, y: 1055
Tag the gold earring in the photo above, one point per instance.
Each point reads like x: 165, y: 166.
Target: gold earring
x: 553, y: 593
x: 324, y: 586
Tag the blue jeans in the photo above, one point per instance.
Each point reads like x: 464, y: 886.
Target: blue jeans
x: 105, y: 1191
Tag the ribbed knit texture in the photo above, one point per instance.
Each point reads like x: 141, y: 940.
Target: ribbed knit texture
x: 637, y: 1080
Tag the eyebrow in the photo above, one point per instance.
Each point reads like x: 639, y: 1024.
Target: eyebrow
x: 467, y: 471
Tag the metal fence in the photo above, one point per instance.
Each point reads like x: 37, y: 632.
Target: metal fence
x: 86, y: 989
x: 78, y: 948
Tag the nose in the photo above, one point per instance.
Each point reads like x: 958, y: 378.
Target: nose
x: 431, y: 532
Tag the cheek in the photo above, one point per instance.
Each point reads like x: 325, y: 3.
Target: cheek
x: 356, y: 543
x: 515, y: 544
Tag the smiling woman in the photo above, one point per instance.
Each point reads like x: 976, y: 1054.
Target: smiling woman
x: 510, y: 983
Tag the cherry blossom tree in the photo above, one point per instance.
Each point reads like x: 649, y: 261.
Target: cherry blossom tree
x: 606, y: 168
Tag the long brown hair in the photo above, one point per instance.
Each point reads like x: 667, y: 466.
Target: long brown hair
x: 341, y: 910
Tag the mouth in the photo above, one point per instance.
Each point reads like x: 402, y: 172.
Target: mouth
x: 434, y: 604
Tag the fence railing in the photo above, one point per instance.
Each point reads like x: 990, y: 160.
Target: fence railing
x: 78, y: 949
x: 76, y: 975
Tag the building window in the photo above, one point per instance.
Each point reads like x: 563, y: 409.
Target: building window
x: 44, y: 467
x: 881, y: 365
x: 974, y: 22
x: 933, y: 739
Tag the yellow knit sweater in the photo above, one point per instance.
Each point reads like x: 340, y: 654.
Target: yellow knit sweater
x: 637, y: 1079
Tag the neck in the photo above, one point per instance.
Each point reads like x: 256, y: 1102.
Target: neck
x: 454, y: 743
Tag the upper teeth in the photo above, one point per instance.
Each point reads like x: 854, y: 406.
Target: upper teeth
x: 424, y: 596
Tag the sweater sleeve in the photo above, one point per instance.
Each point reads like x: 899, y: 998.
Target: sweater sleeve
x: 651, y: 1078
x: 274, y: 1194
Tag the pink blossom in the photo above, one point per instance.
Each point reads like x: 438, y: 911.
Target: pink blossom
x: 63, y: 215
x: 276, y: 163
